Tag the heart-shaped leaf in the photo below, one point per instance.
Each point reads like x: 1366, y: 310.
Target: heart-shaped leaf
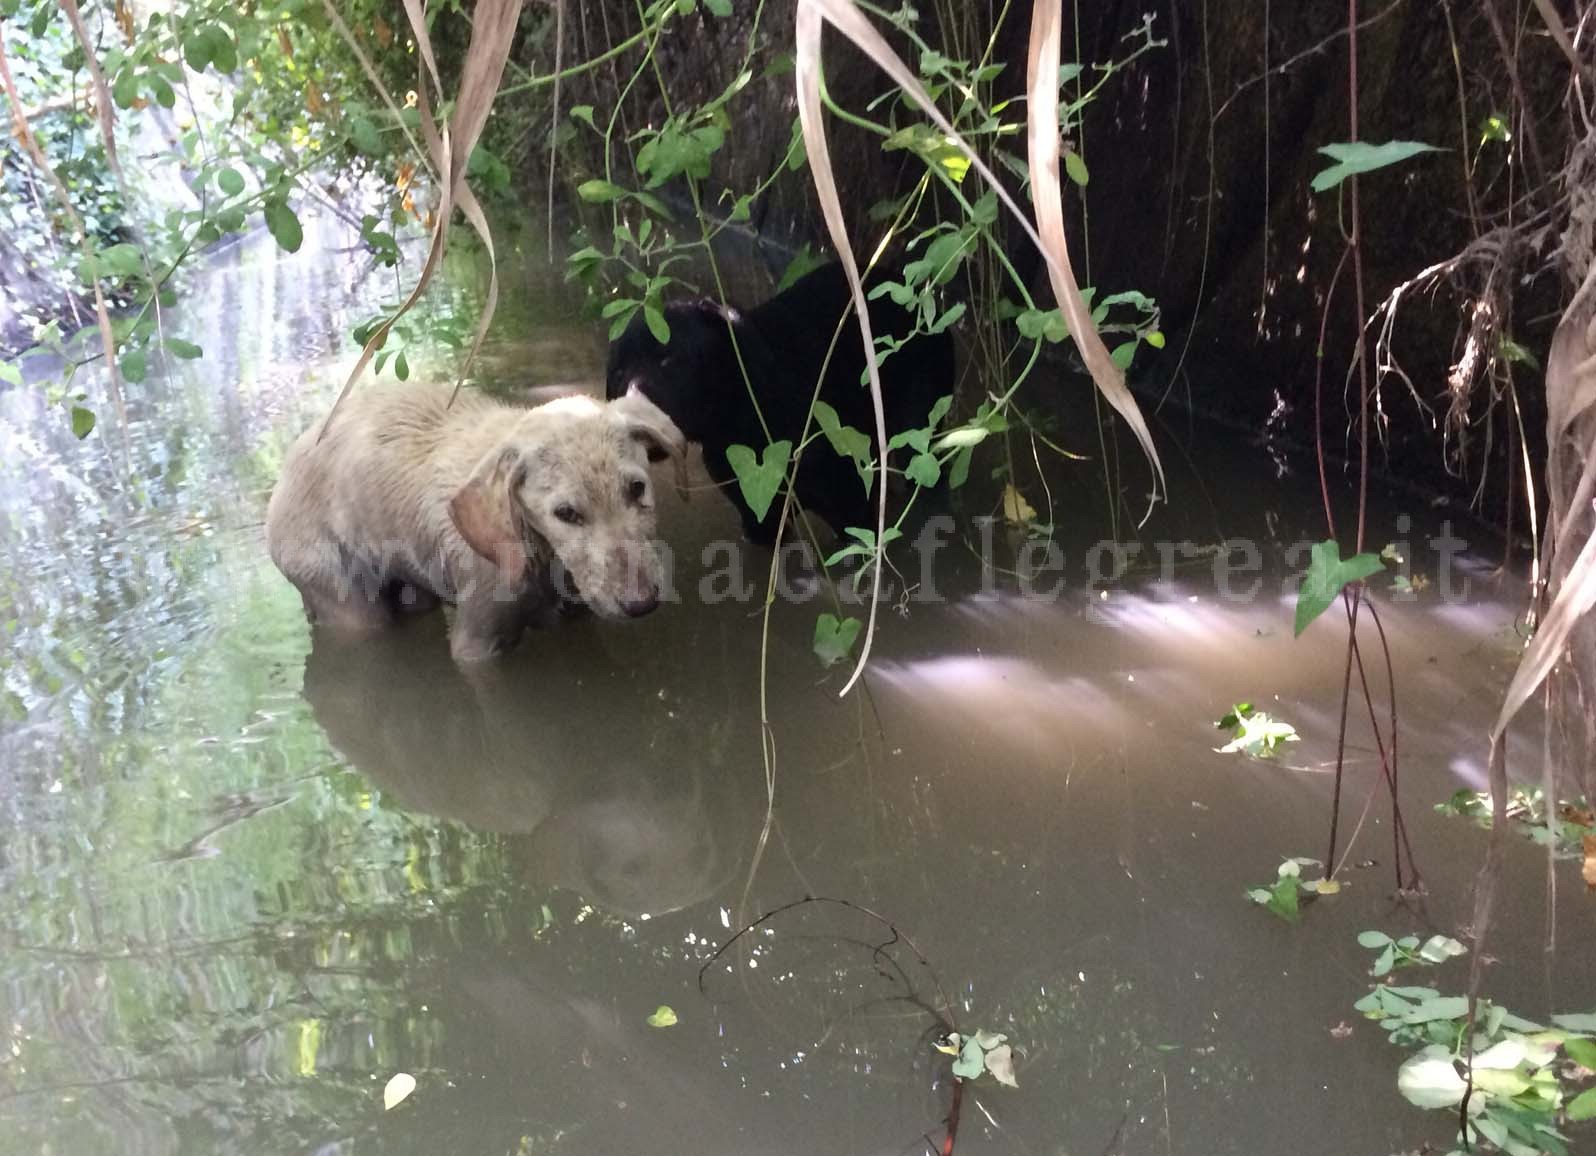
x: 1327, y: 574
x: 664, y: 1017
x: 834, y: 638
x: 760, y: 478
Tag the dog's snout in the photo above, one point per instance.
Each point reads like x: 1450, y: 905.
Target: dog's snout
x: 646, y: 603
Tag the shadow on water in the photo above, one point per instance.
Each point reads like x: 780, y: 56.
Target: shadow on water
x: 246, y: 875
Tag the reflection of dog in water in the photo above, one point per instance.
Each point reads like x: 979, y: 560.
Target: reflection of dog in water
x: 599, y: 810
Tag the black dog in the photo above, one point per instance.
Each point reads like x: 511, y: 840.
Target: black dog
x: 696, y: 380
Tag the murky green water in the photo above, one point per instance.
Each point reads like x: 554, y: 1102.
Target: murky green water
x: 244, y: 879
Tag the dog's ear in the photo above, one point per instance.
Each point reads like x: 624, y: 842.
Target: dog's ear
x: 484, y: 512
x: 645, y: 422
x: 720, y: 309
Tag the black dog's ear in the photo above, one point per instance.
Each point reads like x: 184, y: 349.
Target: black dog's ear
x: 713, y: 308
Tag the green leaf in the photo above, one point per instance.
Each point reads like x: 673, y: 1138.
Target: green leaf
x: 834, y: 638
x: 364, y: 136
x: 1583, y: 1106
x: 846, y: 441
x: 82, y: 422
x: 120, y: 260
x: 125, y: 89
x: 971, y: 1062
x: 960, y: 473
x: 284, y: 225
x: 223, y: 52
x: 760, y: 478
x: 10, y: 373
x: 133, y: 365
x: 230, y: 181
x: 1582, y: 1052
x: 1373, y: 939
x: 186, y: 350
x: 664, y: 1016
x: 657, y: 325
x: 1445, y: 1007
x: 1355, y: 157
x: 599, y: 192
x: 584, y: 113
x: 806, y: 261
x: 401, y: 368
x: 164, y: 94
x: 924, y: 470
x: 719, y: 8
x: 1075, y: 167
x: 1577, y: 1022
x: 1327, y: 575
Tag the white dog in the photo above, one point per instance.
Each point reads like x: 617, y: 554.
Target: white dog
x: 406, y: 500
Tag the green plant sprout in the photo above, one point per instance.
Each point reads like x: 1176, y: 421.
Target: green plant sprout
x: 1290, y: 892
x: 1408, y: 951
x: 982, y: 1054
x: 1254, y: 733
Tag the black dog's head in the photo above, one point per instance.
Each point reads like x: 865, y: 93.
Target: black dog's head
x: 682, y: 375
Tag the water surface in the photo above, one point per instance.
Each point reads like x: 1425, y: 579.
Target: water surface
x: 247, y: 876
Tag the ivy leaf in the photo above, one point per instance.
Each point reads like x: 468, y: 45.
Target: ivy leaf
x: 1353, y: 157
x: 834, y: 638
x: 186, y: 350
x: 82, y: 422
x: 584, y: 113
x: 760, y: 478
x: 1327, y: 575
x: 719, y: 8
x: 284, y: 225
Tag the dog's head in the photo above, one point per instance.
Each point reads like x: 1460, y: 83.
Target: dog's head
x: 569, y: 486
x: 682, y: 375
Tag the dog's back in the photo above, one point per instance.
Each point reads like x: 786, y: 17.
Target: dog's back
x: 360, y: 493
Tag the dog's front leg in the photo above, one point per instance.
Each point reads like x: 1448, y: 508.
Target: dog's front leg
x: 486, y: 627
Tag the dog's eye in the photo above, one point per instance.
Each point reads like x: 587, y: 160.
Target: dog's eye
x: 568, y: 514
x: 635, y: 489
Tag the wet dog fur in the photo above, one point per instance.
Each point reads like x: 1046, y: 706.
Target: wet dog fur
x: 407, y: 500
